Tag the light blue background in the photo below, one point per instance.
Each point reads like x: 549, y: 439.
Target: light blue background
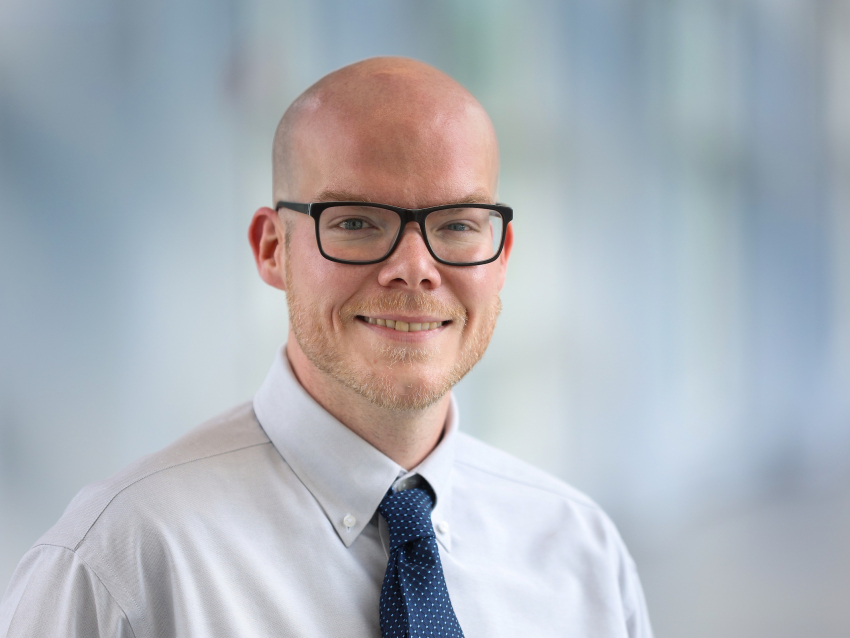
x: 676, y: 332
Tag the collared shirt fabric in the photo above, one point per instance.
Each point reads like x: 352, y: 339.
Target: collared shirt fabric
x: 263, y: 522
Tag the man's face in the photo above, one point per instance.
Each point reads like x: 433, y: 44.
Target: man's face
x: 335, y: 308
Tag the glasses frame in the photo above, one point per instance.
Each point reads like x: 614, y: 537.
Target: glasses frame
x: 407, y: 215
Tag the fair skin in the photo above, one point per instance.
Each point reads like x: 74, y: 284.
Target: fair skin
x: 397, y: 132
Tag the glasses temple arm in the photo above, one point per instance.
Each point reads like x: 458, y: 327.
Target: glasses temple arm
x: 300, y: 208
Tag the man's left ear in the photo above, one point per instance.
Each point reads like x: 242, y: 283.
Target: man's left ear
x: 506, y: 253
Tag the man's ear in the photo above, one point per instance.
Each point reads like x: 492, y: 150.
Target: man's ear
x: 506, y: 253
x: 266, y: 236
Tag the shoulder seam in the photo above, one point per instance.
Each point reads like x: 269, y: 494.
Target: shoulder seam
x: 589, y: 505
x: 162, y: 469
x: 94, y: 573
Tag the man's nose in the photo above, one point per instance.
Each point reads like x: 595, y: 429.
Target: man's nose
x: 410, y: 265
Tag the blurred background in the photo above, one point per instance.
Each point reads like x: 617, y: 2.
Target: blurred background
x: 676, y: 332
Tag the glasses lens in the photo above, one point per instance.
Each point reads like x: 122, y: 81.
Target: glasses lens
x: 465, y: 234
x: 357, y: 233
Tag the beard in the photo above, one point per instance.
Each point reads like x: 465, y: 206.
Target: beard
x: 378, y: 383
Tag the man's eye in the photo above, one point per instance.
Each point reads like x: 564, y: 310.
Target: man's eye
x: 352, y: 224
x: 459, y: 226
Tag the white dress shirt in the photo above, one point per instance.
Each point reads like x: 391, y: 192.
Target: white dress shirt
x: 263, y: 522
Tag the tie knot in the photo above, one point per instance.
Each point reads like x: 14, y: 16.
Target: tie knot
x: 408, y: 515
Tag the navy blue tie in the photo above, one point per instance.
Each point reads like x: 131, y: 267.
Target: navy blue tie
x: 414, y: 598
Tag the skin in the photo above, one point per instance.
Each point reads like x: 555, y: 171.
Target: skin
x: 393, y: 131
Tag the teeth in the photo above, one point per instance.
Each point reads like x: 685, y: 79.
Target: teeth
x: 403, y: 326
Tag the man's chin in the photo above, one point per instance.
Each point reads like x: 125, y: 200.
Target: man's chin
x: 403, y: 388
x: 407, y: 355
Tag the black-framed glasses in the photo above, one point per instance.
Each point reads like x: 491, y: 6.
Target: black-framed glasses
x: 366, y: 233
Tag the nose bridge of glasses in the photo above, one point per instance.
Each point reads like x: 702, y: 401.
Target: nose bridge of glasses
x: 411, y: 227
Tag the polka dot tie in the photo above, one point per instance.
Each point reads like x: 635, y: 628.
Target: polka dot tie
x: 414, y: 598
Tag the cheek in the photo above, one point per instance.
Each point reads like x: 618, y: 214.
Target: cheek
x: 478, y: 289
x: 322, y: 284
x: 308, y: 267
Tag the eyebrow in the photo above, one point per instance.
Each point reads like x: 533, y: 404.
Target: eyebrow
x: 476, y: 197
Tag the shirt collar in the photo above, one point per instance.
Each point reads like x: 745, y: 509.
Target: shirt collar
x: 346, y: 475
x: 436, y: 468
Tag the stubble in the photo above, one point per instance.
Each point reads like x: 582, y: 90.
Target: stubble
x: 378, y: 383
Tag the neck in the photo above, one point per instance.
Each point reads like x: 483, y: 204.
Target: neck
x: 405, y: 436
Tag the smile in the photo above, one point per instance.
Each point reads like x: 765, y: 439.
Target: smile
x: 404, y: 326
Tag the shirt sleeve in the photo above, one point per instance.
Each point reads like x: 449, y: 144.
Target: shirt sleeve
x: 54, y: 593
x: 634, y: 603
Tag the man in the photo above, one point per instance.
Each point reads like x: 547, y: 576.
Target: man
x: 343, y: 500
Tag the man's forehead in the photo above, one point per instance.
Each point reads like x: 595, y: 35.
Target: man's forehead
x: 388, y: 115
x: 478, y: 196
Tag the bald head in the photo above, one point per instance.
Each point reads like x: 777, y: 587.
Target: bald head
x: 400, y: 123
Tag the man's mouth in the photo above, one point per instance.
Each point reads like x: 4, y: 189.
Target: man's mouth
x: 403, y: 326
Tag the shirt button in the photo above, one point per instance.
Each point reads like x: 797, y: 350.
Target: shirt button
x: 349, y: 521
x: 443, y: 527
